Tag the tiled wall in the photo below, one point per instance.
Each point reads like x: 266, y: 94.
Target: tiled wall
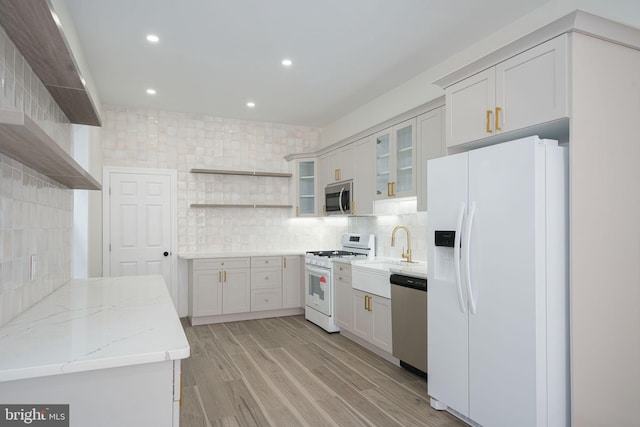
x: 383, y: 225
x: 148, y: 138
x: 36, y: 213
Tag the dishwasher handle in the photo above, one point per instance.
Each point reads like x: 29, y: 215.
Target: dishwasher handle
x: 409, y: 282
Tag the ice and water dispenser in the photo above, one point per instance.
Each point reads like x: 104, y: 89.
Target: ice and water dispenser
x: 444, y: 268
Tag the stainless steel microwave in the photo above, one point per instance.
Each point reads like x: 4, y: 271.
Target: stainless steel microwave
x: 338, y: 197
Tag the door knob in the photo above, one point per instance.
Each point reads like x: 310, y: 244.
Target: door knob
x: 165, y: 253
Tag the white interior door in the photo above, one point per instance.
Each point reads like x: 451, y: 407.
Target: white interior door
x: 138, y: 225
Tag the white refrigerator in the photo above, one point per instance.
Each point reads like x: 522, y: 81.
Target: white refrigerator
x: 498, y: 332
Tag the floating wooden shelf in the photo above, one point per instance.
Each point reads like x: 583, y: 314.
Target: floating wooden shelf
x: 223, y: 205
x: 23, y: 140
x: 250, y: 173
x: 32, y: 27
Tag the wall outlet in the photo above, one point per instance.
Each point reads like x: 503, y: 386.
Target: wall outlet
x: 32, y: 267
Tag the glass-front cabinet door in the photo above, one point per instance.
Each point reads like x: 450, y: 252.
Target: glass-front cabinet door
x: 395, y: 161
x: 306, y: 188
x: 405, y: 159
x: 383, y: 163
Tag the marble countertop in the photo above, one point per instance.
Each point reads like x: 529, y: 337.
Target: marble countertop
x: 201, y: 255
x: 93, y: 324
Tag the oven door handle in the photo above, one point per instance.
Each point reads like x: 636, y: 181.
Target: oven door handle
x: 318, y: 270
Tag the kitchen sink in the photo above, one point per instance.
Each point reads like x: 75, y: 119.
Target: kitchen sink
x: 373, y: 276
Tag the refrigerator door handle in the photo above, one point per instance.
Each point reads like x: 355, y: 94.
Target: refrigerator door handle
x: 456, y: 256
x: 467, y: 262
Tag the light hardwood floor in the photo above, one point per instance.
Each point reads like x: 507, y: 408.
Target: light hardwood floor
x: 289, y: 372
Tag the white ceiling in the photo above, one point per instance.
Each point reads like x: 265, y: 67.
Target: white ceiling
x: 215, y: 55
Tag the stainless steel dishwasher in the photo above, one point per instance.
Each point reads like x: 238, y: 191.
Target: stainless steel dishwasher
x: 409, y: 322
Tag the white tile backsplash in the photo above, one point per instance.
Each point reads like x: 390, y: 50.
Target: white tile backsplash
x: 36, y: 213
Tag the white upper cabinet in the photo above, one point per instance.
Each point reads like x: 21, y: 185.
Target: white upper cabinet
x: 430, y: 145
x: 364, y: 180
x: 396, y: 161
x: 306, y: 191
x: 340, y: 164
x: 528, y: 89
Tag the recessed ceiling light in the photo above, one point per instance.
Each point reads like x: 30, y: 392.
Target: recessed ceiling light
x: 151, y: 91
x: 287, y: 62
x: 251, y: 104
x: 153, y: 38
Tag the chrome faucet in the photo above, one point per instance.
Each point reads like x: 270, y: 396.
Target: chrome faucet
x: 407, y: 255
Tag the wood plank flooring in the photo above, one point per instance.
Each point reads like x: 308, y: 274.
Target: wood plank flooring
x: 289, y: 372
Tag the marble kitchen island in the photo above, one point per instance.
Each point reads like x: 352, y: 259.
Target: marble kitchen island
x: 108, y: 347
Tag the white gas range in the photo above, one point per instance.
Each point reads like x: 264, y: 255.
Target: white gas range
x: 319, y: 290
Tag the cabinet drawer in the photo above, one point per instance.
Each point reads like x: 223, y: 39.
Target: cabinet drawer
x: 342, y: 280
x: 221, y: 263
x: 266, y: 261
x: 342, y: 269
x: 266, y: 299
x: 268, y: 277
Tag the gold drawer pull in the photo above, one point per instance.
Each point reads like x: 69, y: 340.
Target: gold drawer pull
x: 489, y: 121
x: 498, y: 109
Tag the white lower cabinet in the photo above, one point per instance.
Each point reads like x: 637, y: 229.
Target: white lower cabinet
x: 343, y: 295
x: 240, y: 285
x: 372, y: 319
x: 266, y: 283
x: 292, y: 282
x: 220, y: 286
x: 146, y: 394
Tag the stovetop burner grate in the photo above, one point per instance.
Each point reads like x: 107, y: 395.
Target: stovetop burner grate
x: 335, y: 254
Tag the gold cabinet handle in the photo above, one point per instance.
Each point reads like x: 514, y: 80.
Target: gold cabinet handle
x: 222, y: 263
x: 498, y: 109
x: 219, y: 276
x: 284, y: 259
x: 336, y: 174
x: 370, y: 309
x: 365, y: 302
x: 389, y: 189
x: 297, y: 210
x: 225, y: 276
x: 489, y: 121
x: 393, y: 189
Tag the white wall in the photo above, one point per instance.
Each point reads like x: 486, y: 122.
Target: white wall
x: 420, y: 89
